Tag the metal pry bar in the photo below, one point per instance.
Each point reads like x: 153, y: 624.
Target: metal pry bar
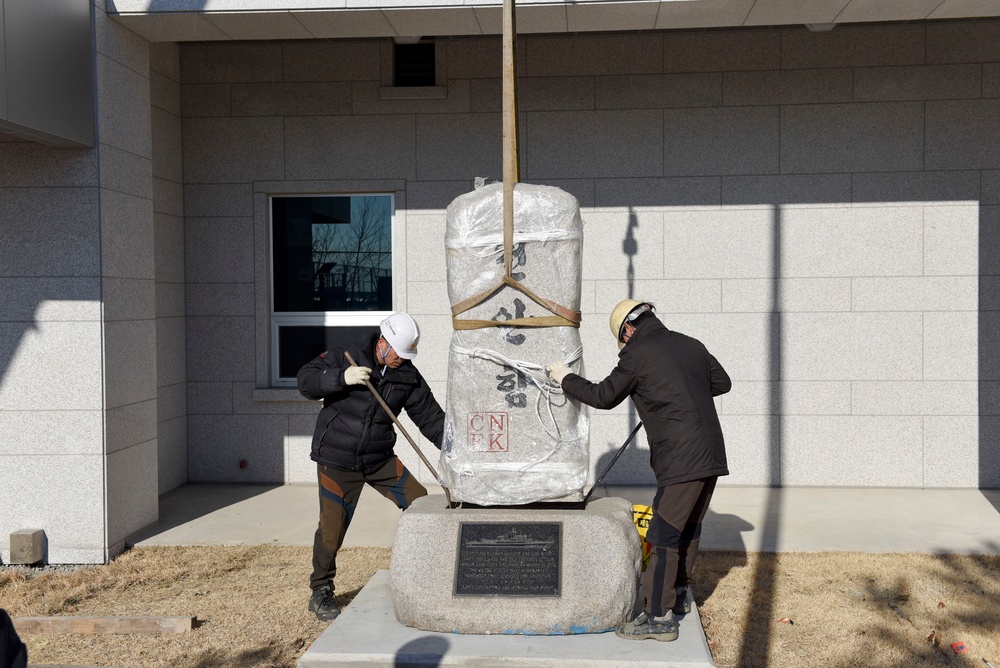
x: 388, y: 411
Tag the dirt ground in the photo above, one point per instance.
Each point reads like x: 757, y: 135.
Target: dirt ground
x: 794, y: 609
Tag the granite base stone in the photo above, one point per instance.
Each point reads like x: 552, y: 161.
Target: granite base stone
x: 599, y: 566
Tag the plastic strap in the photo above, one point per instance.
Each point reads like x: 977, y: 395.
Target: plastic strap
x: 562, y: 316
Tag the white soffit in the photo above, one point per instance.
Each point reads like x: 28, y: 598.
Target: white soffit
x: 612, y: 16
x: 172, y: 27
x: 444, y: 21
x: 784, y: 12
x: 543, y: 19
x: 960, y: 9
x: 202, y: 20
x: 681, y: 14
x: 860, y: 11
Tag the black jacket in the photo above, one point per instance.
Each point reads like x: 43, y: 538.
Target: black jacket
x: 353, y: 433
x: 671, y: 379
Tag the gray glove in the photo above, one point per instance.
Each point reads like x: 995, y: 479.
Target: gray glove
x: 356, y: 375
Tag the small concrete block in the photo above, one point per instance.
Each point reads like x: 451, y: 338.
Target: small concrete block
x: 597, y: 589
x: 27, y: 546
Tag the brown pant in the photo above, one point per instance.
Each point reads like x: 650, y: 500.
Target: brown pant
x: 673, y: 536
x: 339, y: 492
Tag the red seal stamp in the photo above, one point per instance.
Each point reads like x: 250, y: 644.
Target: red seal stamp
x: 488, y: 432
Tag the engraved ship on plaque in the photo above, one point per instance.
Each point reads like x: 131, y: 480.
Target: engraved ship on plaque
x: 511, y: 539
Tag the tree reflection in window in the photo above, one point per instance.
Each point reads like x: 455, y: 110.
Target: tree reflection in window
x: 332, y: 253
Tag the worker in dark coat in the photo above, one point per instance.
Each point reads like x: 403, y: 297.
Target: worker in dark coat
x: 672, y: 379
x: 354, y: 438
x: 13, y: 653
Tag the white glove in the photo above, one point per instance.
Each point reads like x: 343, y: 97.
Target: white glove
x: 356, y: 375
x: 558, y: 371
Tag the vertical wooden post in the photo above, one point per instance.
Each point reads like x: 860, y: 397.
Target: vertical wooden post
x: 511, y: 170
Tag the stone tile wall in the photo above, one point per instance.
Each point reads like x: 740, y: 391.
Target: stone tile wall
x: 127, y: 126
x: 819, y: 208
x: 169, y: 251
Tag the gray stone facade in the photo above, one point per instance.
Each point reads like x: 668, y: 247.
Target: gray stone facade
x: 821, y: 209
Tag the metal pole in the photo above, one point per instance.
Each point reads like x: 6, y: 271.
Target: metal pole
x: 511, y: 160
x: 613, y: 460
x: 385, y: 407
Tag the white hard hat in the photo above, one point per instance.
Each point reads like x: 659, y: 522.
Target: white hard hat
x: 401, y: 331
x: 627, y: 310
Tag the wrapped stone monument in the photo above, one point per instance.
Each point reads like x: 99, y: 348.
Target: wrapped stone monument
x: 511, y: 436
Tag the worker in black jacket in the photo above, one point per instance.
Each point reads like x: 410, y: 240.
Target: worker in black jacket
x: 13, y: 653
x: 354, y: 437
x: 672, y: 379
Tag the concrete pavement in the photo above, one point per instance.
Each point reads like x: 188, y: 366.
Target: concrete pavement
x: 740, y: 518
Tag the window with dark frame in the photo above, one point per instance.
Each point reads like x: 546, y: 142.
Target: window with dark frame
x: 331, y: 270
x: 414, y: 64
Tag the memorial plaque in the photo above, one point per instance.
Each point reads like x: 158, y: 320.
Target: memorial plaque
x: 508, y: 559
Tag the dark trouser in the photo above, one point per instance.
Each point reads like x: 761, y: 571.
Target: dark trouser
x: 339, y: 492
x: 673, y: 536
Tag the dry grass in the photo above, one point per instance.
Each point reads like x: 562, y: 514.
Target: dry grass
x: 850, y: 609
x: 251, y: 603
x: 847, y: 609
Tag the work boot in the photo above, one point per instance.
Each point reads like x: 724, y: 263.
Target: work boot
x: 644, y: 627
x: 324, y: 604
x: 683, y: 604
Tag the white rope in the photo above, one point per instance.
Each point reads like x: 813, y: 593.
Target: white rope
x: 538, y: 375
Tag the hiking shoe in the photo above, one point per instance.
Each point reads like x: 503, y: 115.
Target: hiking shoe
x: 644, y: 627
x: 324, y: 604
x: 683, y: 604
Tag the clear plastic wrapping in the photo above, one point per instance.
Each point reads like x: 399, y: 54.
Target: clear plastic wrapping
x: 511, y: 436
